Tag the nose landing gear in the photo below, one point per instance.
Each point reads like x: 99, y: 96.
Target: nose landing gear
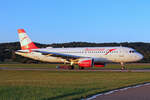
x: 122, y: 66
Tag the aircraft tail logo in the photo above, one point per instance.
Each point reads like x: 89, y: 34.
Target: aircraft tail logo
x: 25, y: 41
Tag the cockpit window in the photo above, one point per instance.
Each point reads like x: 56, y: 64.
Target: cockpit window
x: 131, y: 51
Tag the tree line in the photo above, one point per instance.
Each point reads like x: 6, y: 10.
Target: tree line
x: 7, y: 50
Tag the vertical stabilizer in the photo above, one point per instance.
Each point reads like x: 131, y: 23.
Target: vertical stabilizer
x: 25, y: 41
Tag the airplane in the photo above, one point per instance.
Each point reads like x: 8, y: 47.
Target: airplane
x: 83, y: 57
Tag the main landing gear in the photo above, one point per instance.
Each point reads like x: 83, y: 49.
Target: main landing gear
x: 81, y: 68
x: 71, y: 67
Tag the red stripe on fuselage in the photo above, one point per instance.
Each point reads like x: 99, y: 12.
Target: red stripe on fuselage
x: 110, y: 51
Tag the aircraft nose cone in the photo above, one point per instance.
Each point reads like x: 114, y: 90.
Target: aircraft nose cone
x: 140, y: 56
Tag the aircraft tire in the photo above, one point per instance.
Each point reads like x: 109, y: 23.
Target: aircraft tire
x: 71, y: 67
x: 81, y: 68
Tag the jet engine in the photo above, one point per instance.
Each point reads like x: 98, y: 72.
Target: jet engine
x: 89, y: 62
x: 86, y: 62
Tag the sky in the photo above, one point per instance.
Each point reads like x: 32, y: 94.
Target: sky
x: 59, y: 21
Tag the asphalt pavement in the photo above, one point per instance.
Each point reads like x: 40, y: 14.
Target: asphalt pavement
x: 55, y: 69
x: 141, y: 92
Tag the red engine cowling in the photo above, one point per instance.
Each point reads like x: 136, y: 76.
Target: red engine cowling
x: 87, y: 62
x: 98, y: 64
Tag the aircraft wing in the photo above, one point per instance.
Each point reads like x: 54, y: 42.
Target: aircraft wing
x: 55, y: 54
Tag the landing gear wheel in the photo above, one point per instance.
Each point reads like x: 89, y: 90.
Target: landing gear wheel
x: 81, y: 68
x: 71, y: 67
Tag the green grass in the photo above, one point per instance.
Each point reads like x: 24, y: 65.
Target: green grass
x: 29, y: 65
x: 63, y: 85
x: 108, y: 66
x: 128, y: 66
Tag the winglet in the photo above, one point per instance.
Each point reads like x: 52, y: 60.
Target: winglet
x: 25, y: 41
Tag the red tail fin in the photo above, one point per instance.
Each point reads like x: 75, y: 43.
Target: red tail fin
x: 25, y: 41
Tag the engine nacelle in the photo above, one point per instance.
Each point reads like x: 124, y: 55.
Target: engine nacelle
x: 98, y: 64
x: 89, y: 62
x: 86, y: 62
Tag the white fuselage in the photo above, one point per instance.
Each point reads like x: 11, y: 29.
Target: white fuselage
x: 99, y: 54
